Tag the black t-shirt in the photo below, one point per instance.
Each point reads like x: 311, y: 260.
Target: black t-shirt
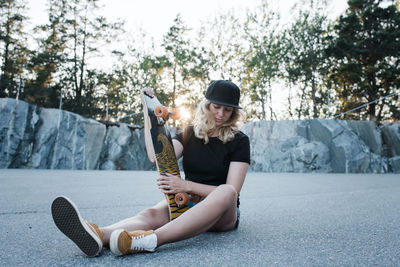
x: 209, y: 163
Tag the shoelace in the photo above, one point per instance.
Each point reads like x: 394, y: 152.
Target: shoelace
x: 138, y: 243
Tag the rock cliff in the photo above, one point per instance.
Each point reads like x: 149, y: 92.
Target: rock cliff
x: 32, y: 137
x: 324, y: 146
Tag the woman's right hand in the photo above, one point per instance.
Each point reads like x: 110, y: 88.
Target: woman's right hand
x: 148, y: 91
x: 170, y: 184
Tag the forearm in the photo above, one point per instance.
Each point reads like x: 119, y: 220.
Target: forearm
x: 170, y: 184
x: 202, y: 190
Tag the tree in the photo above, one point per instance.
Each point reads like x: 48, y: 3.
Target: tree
x: 87, y: 33
x: 198, y: 69
x: 139, y: 69
x: 66, y: 47
x: 177, y: 51
x: 44, y: 89
x: 262, y: 58
x: 305, y: 58
x: 366, y: 49
x: 13, y: 50
x: 224, y: 46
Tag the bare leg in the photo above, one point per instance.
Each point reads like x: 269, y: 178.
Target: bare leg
x: 148, y: 219
x: 216, y: 212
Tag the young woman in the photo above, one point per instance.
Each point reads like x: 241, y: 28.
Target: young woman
x: 216, y: 156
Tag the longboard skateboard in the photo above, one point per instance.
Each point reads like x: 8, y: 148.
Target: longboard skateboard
x: 155, y: 115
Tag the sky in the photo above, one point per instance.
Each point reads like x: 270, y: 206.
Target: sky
x: 156, y: 16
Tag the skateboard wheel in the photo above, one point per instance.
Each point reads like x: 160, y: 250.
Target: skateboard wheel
x: 181, y: 199
x: 175, y: 115
x: 161, y: 112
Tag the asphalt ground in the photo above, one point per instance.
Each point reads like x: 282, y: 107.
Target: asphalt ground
x: 287, y: 219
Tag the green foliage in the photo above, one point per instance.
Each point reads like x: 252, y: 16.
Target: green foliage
x: 365, y: 51
x: 13, y: 50
x: 179, y: 58
x: 143, y: 70
x: 306, y: 61
x: 44, y: 89
x: 262, y: 58
x: 74, y: 34
x: 326, y: 65
x: 87, y: 33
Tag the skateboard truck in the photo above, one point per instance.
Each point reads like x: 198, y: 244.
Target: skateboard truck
x: 160, y: 121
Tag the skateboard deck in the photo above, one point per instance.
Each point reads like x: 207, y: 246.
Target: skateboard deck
x: 163, y: 149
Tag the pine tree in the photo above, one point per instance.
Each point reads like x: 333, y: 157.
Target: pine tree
x: 44, y: 89
x: 305, y: 58
x: 179, y: 58
x: 365, y: 52
x: 87, y: 32
x: 13, y: 46
x: 262, y: 58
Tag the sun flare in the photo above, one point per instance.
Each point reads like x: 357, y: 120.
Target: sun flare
x: 184, y: 113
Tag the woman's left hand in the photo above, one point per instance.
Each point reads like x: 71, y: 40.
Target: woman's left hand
x: 171, y: 184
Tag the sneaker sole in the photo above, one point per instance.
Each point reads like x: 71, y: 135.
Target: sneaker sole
x: 67, y: 218
x: 114, y: 242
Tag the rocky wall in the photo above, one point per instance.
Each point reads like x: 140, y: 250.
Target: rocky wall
x: 322, y: 145
x: 32, y: 137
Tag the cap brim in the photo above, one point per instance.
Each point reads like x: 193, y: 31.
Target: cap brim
x: 224, y: 104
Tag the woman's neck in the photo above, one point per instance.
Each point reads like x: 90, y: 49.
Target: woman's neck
x: 214, y: 132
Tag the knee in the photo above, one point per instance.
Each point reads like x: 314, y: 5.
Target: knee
x: 149, y: 213
x: 228, y: 191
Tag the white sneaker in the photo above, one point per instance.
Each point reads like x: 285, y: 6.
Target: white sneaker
x: 123, y: 242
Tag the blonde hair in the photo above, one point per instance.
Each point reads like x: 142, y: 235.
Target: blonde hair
x: 204, y: 123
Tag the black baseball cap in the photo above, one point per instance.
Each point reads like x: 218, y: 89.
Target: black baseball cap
x: 225, y: 93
